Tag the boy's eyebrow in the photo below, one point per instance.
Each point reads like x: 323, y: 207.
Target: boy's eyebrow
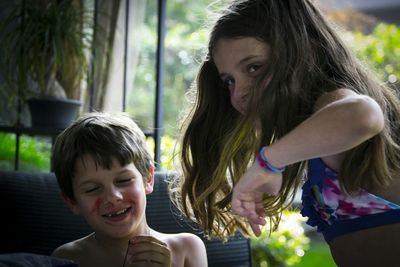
x: 122, y: 171
x: 86, y: 181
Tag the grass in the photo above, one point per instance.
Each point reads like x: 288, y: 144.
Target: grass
x: 318, y: 255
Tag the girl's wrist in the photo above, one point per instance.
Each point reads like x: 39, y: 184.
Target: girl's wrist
x: 263, y: 162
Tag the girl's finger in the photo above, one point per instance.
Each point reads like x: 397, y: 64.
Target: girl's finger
x: 256, y: 229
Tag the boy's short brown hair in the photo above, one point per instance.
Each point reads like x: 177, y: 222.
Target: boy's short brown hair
x: 104, y: 137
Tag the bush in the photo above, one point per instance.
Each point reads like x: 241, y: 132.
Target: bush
x: 380, y: 50
x: 34, y: 153
x: 168, y: 148
x: 284, y: 247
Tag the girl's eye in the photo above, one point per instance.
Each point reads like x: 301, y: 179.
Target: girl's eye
x: 228, y: 83
x: 253, y: 68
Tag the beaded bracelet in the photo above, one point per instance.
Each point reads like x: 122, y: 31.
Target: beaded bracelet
x: 263, y: 162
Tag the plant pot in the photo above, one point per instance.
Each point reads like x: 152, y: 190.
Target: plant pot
x: 53, y: 112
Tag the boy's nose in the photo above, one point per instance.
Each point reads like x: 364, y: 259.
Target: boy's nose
x: 113, y: 195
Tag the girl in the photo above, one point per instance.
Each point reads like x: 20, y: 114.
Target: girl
x: 281, y: 101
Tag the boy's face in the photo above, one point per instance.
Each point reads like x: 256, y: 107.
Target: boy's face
x: 112, y: 201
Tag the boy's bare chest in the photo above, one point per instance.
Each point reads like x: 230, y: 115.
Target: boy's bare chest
x: 99, y: 259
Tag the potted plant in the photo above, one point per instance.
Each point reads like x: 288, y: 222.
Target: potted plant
x: 44, y: 48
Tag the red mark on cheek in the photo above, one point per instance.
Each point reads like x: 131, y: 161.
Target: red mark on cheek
x: 97, y: 204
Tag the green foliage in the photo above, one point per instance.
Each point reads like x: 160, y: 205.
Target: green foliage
x: 34, y: 153
x: 7, y: 151
x: 318, y: 255
x: 168, y: 148
x: 380, y: 50
x: 284, y: 247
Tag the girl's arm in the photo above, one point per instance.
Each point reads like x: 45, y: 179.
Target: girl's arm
x: 342, y: 120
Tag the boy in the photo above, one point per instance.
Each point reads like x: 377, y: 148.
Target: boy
x: 105, y: 171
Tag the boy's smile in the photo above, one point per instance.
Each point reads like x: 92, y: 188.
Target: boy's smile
x: 111, y: 200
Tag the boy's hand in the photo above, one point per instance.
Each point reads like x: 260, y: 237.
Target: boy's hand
x: 247, y: 197
x: 147, y: 251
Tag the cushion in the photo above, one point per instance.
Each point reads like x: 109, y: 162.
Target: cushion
x: 33, y: 260
x: 34, y: 216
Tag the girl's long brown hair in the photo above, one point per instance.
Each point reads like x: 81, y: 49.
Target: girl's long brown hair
x: 307, y: 59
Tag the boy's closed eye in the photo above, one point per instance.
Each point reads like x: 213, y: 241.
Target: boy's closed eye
x: 92, y: 189
x: 125, y: 181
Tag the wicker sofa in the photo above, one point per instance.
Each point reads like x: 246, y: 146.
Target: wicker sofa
x: 35, y: 220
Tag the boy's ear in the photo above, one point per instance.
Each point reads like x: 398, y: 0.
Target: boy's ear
x: 148, y: 187
x: 71, y: 204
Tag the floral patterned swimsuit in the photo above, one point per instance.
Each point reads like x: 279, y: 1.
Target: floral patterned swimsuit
x: 335, y: 213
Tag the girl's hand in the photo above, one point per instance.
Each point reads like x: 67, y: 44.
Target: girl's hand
x: 247, y: 198
x: 147, y: 251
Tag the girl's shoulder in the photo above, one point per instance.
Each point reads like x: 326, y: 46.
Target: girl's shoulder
x: 329, y: 97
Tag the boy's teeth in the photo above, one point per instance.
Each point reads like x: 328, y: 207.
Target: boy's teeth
x: 117, y: 213
x: 121, y: 211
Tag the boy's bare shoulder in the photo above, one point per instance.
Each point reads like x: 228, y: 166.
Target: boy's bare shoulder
x: 72, y: 250
x: 184, y: 239
x: 187, y: 246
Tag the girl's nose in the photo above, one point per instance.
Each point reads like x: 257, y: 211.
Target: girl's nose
x: 239, y: 96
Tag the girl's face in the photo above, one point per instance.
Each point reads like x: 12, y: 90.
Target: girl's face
x: 112, y: 201
x: 239, y: 62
